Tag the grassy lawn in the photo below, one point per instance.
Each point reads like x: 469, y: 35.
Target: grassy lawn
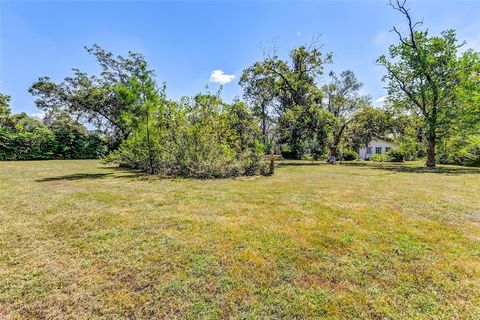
x: 82, y: 240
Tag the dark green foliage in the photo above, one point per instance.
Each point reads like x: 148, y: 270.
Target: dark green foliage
x: 461, y: 151
x: 72, y: 140
x: 58, y: 137
x: 369, y: 123
x: 289, y: 154
x: 396, y: 155
x: 343, y: 101
x: 285, y: 94
x: 349, y: 155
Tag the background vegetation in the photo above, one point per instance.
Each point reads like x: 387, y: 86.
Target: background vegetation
x: 58, y: 136
x: 432, y: 110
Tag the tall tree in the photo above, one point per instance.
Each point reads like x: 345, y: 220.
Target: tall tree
x: 369, y: 123
x: 259, y: 92
x: 425, y: 74
x: 343, y: 100
x: 143, y: 95
x: 95, y: 99
x: 290, y: 90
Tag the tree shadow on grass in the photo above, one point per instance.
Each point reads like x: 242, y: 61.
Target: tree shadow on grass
x: 131, y: 173
x: 119, y: 174
x: 300, y: 163
x: 447, y: 170
x: 77, y: 176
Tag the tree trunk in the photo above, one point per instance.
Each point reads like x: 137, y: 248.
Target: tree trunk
x: 336, y: 141
x: 334, y: 151
x: 431, y: 150
x: 264, y: 124
x: 272, y: 162
x: 264, y: 129
x: 149, y: 147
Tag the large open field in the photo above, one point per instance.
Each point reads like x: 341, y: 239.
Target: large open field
x: 81, y: 240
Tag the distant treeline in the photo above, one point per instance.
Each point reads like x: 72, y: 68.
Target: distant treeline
x: 58, y: 136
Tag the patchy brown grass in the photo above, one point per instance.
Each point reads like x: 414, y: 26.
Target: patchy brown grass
x: 358, y: 240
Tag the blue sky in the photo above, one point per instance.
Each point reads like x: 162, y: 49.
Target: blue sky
x: 185, y: 41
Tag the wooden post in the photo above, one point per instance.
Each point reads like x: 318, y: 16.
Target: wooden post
x: 272, y: 162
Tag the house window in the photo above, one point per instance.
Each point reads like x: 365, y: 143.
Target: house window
x: 369, y: 150
x: 387, y: 149
x: 378, y: 150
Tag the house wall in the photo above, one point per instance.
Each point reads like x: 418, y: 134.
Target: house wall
x: 363, y: 155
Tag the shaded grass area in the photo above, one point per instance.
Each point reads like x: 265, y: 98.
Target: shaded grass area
x: 356, y: 240
x: 414, y: 167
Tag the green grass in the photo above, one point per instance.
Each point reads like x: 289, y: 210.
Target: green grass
x: 360, y: 240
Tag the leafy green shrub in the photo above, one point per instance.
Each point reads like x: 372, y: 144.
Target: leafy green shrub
x: 460, y: 151
x: 396, y: 155
x: 200, y: 137
x: 412, y: 149
x: 350, y: 155
x: 380, y: 158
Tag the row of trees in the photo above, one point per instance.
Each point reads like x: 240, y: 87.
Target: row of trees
x: 432, y: 109
x: 202, y: 136
x: 299, y: 115
x: 433, y: 98
x: 58, y: 136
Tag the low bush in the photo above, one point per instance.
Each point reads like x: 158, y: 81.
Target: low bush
x: 460, y: 151
x: 379, y: 158
x: 396, y: 155
x: 201, y: 137
x: 350, y: 155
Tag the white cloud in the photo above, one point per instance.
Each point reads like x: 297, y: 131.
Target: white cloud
x: 38, y: 115
x: 381, y: 100
x: 218, y: 76
x: 299, y: 33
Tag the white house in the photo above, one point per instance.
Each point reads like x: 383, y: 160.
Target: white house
x: 376, y: 146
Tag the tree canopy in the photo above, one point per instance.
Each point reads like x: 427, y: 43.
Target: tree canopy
x: 58, y: 136
x: 96, y: 99
x: 426, y: 74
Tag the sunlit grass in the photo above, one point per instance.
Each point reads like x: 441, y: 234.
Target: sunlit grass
x: 358, y: 240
